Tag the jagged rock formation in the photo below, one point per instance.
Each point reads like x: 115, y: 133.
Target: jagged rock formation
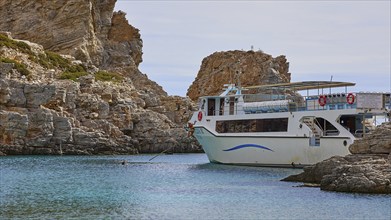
x: 86, y: 30
x: 39, y: 111
x: 250, y: 67
x: 367, y: 170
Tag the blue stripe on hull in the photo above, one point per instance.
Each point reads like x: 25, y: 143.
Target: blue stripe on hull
x: 248, y: 145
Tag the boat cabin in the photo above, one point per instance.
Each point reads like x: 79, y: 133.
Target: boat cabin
x: 285, y: 98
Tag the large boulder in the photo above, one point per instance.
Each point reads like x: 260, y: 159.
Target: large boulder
x: 378, y: 142
x: 367, y: 170
x: 365, y: 174
x: 315, y: 173
x: 13, y: 128
x: 247, y: 67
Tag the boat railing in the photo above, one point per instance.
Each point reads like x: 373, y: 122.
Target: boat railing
x: 266, y: 106
x: 360, y: 132
x: 293, y: 103
x: 270, y: 103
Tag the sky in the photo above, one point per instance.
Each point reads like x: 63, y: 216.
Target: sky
x: 345, y: 40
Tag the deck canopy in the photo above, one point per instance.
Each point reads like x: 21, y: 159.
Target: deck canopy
x: 305, y: 85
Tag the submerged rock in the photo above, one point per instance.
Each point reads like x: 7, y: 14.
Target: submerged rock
x: 365, y: 171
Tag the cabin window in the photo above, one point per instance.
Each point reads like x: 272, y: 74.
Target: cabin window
x: 211, y: 106
x: 328, y: 128
x: 202, y: 104
x: 231, y: 105
x: 221, y: 112
x: 253, y: 125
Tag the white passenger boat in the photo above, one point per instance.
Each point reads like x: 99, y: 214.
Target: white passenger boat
x: 274, y: 125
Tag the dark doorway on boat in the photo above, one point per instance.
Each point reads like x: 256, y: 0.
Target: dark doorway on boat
x: 348, y: 122
x: 211, y: 106
x: 353, y: 123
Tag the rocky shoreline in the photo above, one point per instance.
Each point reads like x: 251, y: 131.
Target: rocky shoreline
x: 88, y: 117
x: 70, y: 84
x: 366, y: 170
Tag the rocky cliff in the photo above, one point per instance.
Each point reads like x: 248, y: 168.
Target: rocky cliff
x: 87, y: 30
x: 366, y: 170
x: 92, y: 99
x: 249, y: 67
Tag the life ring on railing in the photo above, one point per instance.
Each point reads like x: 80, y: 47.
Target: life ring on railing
x: 322, y: 100
x: 350, y: 98
x: 199, y: 116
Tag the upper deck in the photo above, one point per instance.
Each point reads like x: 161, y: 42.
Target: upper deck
x: 284, y: 97
x: 334, y: 101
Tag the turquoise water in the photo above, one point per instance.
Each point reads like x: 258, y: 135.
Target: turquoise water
x: 183, y: 186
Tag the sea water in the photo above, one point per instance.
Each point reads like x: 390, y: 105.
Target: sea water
x: 179, y: 186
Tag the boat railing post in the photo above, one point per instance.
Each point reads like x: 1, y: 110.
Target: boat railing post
x: 363, y: 124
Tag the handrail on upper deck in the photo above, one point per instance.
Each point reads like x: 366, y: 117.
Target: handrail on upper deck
x: 304, y: 85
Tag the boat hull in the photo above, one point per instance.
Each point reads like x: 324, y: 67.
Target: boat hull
x: 275, y: 151
x: 275, y: 126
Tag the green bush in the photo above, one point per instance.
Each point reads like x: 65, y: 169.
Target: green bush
x: 23, y: 46
x: 72, y: 75
x: 20, y: 67
x: 108, y: 76
x: 71, y: 71
x: 47, y: 60
x: 76, y: 68
x: 57, y: 60
x: 42, y: 60
x: 13, y: 44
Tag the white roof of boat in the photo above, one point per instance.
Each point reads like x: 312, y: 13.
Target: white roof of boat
x: 305, y: 85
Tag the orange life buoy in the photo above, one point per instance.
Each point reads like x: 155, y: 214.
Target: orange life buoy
x: 322, y: 100
x: 350, y: 98
x: 199, y: 116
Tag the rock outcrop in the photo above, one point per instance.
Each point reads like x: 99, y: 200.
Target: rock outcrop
x: 92, y: 99
x: 86, y: 30
x: 378, y: 142
x: 250, y: 67
x: 366, y: 170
